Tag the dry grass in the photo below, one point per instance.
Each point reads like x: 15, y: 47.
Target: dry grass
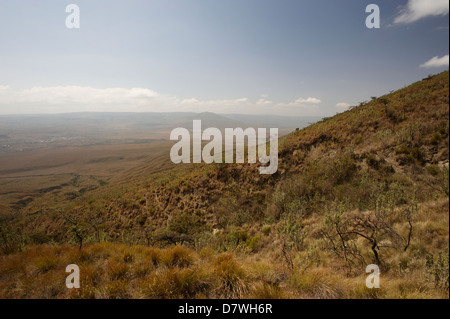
x: 224, y: 231
x: 179, y: 272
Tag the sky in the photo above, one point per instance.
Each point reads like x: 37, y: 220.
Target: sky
x: 284, y: 57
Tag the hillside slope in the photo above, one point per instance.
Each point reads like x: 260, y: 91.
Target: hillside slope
x: 366, y: 186
x: 398, y: 140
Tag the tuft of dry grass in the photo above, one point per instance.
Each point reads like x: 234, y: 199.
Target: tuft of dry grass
x: 179, y: 272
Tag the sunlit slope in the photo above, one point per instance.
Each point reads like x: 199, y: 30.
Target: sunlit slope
x: 368, y: 186
x: 397, y: 139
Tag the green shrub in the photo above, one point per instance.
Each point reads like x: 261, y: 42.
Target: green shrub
x: 443, y: 132
x: 253, y: 242
x: 403, y: 149
x: 416, y: 154
x: 266, y: 230
x: 292, y: 232
x: 438, y: 269
x: 436, y: 138
x: 184, y: 223
x: 236, y: 237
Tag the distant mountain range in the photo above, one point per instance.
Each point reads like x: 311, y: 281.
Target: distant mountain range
x: 134, y: 125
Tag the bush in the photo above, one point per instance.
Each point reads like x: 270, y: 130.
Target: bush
x: 438, y: 270
x: 11, y: 240
x: 372, y: 161
x: 172, y: 238
x: 40, y: 238
x: 416, y: 154
x: 184, y: 223
x: 433, y: 170
x: 292, y: 232
x: 403, y: 149
x: 229, y: 212
x: 236, y: 236
x: 341, y: 169
x: 436, y: 138
x: 266, y: 230
x: 443, y: 132
x: 253, y: 243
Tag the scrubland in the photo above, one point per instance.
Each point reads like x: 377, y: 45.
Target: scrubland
x: 367, y: 186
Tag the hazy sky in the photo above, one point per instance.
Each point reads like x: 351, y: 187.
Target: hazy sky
x: 287, y: 57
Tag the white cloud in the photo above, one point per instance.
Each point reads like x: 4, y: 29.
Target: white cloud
x: 437, y: 62
x: 343, y: 105
x: 300, y: 106
x: 415, y: 10
x: 58, y: 99
x: 66, y: 99
x: 310, y: 100
x: 264, y: 102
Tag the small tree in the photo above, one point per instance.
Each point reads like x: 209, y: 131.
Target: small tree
x: 83, y: 225
x: 342, y: 230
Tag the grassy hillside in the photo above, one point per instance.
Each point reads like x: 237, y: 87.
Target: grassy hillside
x: 366, y: 186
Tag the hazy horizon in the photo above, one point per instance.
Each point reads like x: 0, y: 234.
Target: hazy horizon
x: 151, y: 112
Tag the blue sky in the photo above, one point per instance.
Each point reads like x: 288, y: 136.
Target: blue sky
x: 287, y: 57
